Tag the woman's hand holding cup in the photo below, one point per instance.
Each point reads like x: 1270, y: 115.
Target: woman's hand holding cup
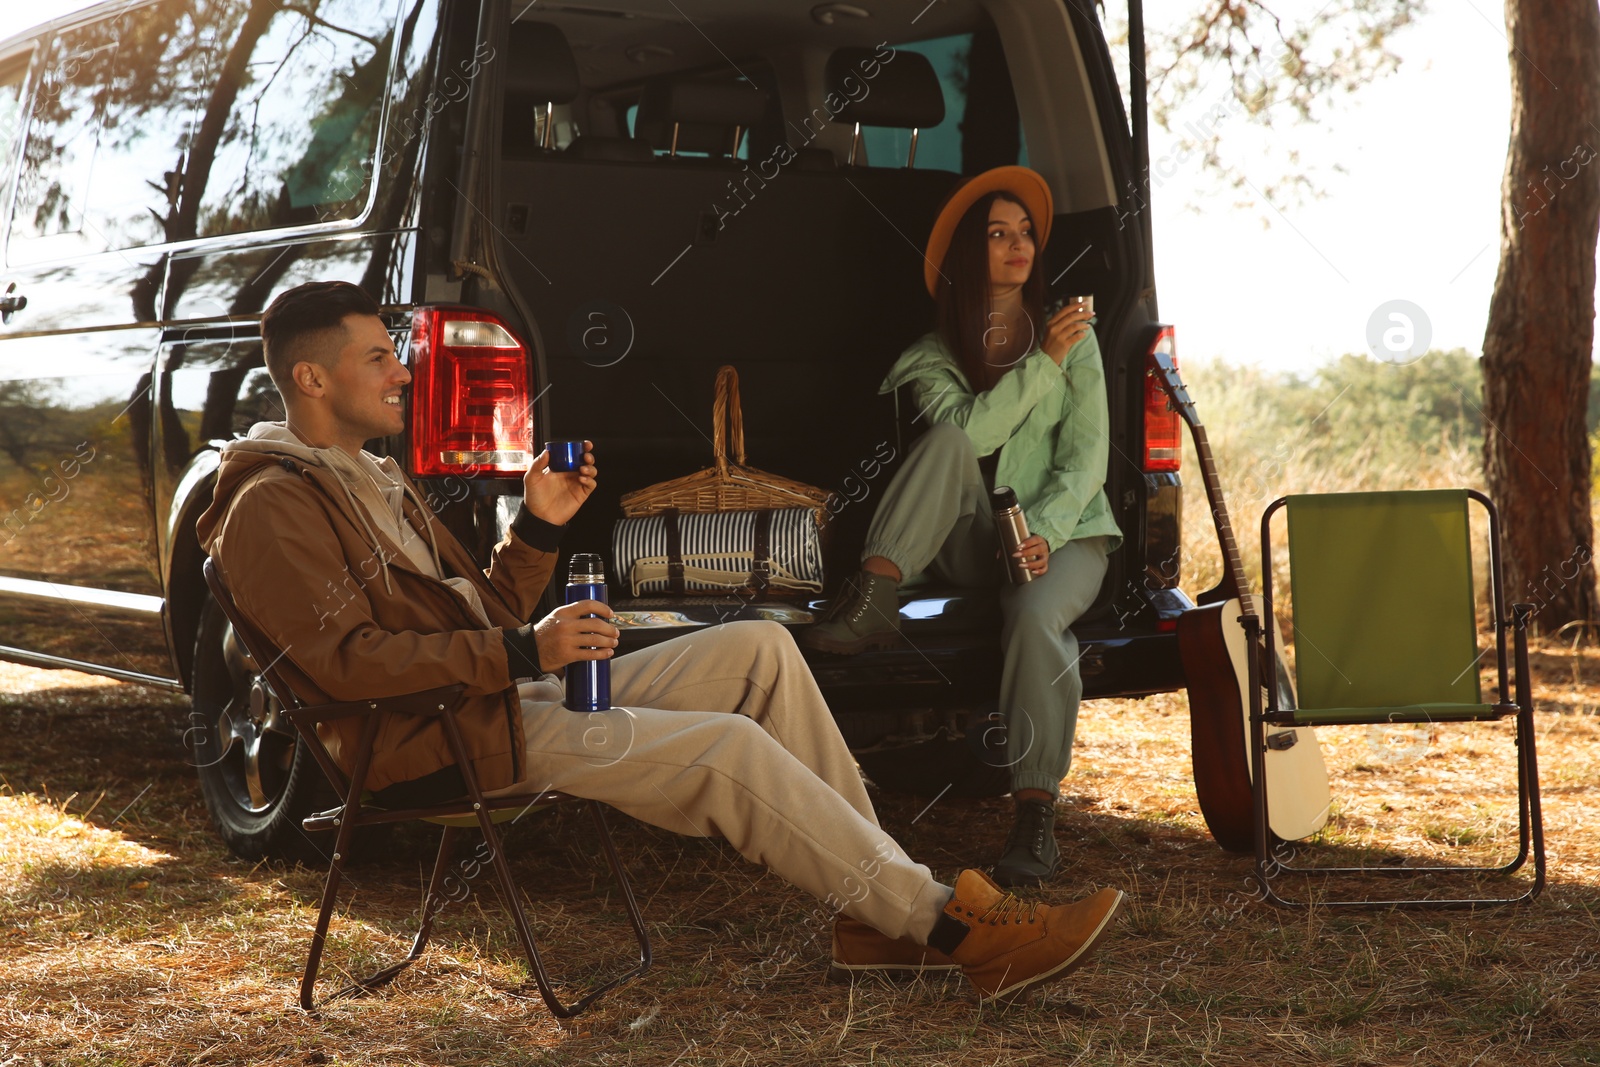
x: 1067, y: 326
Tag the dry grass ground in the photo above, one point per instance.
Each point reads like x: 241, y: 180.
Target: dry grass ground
x: 128, y: 936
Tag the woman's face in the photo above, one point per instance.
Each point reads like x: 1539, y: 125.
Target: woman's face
x: 1010, y: 238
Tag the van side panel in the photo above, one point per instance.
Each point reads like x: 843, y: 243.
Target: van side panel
x: 75, y: 469
x: 245, y: 153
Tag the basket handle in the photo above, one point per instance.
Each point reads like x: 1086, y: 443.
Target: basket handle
x: 727, y: 416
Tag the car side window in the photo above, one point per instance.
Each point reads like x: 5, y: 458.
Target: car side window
x: 195, y: 118
x: 107, y: 144
x: 980, y: 130
x: 307, y: 86
x: 12, y: 73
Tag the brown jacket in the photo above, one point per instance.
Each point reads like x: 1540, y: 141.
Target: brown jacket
x: 356, y: 618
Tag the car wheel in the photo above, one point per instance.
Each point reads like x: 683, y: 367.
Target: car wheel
x: 258, y: 779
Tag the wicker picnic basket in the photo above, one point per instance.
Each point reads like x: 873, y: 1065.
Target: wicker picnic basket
x: 728, y: 485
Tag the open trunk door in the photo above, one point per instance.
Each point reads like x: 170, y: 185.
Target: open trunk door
x: 1139, y: 126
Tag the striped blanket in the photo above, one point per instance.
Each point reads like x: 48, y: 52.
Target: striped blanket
x: 716, y: 552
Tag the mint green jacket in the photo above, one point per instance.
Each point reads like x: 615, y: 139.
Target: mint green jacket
x: 1050, y: 424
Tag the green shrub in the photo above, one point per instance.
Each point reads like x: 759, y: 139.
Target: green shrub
x: 1351, y: 424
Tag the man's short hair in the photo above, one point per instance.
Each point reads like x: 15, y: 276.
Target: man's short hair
x: 291, y: 323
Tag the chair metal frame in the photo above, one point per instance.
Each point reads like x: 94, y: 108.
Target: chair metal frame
x: 1530, y: 822
x: 438, y: 704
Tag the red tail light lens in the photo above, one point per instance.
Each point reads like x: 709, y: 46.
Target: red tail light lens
x: 471, y: 401
x: 1163, y: 440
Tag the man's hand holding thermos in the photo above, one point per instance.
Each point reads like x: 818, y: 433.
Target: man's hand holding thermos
x: 579, y: 635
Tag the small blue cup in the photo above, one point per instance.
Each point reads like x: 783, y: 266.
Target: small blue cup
x: 564, y: 455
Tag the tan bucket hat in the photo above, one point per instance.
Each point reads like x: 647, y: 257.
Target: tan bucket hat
x: 1025, y: 184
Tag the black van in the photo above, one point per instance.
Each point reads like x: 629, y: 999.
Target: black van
x: 636, y: 192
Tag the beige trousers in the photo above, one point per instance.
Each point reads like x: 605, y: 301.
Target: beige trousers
x: 724, y: 733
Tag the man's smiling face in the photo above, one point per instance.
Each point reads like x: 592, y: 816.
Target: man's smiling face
x: 366, y: 383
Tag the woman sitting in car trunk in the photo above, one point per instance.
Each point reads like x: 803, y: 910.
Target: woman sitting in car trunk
x: 1013, y: 398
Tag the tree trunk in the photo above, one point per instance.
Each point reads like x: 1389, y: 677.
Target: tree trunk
x: 1539, y: 343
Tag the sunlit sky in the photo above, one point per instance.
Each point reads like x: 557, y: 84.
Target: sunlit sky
x: 1416, y: 217
x: 1413, y: 216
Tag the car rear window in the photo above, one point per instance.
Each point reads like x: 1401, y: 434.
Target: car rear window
x: 973, y: 74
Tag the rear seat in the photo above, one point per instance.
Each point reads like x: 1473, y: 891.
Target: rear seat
x: 614, y: 149
x: 540, y: 72
x: 679, y: 116
x: 807, y: 276
x: 904, y: 93
x: 543, y: 72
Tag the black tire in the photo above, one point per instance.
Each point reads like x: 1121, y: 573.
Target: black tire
x: 258, y: 779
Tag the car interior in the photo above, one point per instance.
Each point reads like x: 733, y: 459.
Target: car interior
x: 754, y: 185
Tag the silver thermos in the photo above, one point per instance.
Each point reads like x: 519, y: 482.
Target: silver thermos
x: 1012, y: 526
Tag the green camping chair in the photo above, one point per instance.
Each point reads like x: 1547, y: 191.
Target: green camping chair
x: 1385, y: 632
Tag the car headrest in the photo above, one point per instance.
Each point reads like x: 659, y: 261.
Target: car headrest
x: 712, y: 103
x: 541, y: 66
x: 904, y: 91
x: 705, y: 113
x: 613, y: 149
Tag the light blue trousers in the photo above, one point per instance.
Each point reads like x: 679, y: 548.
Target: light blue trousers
x: 935, y: 517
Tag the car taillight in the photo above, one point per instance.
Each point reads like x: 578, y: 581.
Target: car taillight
x: 471, y: 401
x: 1163, y: 441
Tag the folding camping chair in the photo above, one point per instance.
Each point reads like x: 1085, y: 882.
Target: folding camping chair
x: 1385, y: 632
x: 471, y: 809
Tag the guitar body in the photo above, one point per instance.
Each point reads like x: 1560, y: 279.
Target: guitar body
x: 1214, y: 651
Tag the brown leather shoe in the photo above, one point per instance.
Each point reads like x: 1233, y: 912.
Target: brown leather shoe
x: 860, y: 950
x: 1012, y: 945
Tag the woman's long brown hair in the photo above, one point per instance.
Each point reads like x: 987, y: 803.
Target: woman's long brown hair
x: 963, y: 294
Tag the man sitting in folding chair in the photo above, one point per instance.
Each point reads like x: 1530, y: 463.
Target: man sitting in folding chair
x: 331, y: 554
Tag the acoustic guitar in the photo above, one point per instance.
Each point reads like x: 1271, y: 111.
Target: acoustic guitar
x: 1212, y: 645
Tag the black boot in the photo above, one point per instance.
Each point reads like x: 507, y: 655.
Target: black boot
x: 1031, y: 853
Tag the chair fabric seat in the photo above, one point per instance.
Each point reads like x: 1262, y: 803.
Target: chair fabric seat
x: 1403, y: 713
x: 497, y: 816
x: 1383, y: 599
x: 327, y: 820
x: 465, y: 819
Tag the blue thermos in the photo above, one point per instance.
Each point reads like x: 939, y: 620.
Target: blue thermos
x: 588, y: 680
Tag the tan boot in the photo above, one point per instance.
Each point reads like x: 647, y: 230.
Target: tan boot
x: 859, y: 950
x: 1010, y: 945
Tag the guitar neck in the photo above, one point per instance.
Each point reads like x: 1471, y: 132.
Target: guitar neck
x: 1233, y: 563
x: 1165, y: 370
